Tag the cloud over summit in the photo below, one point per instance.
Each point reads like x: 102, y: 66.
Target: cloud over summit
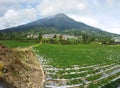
x: 50, y: 7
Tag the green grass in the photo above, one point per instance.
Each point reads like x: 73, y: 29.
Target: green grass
x: 67, y: 55
x: 15, y: 44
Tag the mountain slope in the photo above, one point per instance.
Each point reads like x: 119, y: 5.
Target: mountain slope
x: 59, y: 22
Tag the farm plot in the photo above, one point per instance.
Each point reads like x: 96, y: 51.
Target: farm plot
x: 16, y: 44
x: 79, y: 66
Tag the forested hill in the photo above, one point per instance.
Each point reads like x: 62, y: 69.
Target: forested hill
x: 57, y: 24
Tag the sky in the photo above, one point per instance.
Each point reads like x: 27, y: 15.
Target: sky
x: 103, y: 14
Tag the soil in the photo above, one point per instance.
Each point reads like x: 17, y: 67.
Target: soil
x: 20, y: 69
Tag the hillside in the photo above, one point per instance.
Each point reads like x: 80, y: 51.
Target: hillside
x: 19, y: 68
x: 59, y: 23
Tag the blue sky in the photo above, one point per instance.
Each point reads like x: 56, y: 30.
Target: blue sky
x: 103, y: 14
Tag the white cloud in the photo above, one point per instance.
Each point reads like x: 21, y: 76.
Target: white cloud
x: 51, y: 7
x: 114, y: 28
x: 16, y: 12
x: 86, y: 20
x: 14, y: 18
x: 110, y: 2
x: 109, y: 28
x: 5, y: 5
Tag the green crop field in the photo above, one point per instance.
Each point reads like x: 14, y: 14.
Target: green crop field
x: 84, y: 65
x: 67, y: 55
x: 15, y: 44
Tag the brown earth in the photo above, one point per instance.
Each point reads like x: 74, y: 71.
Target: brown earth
x: 20, y: 68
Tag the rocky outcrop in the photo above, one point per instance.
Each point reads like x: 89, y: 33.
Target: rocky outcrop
x: 20, y: 68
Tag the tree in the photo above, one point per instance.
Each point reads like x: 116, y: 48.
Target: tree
x: 55, y: 36
x: 39, y: 39
x: 61, y: 37
x: 85, y: 38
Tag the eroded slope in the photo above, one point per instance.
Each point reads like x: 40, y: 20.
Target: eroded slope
x: 20, y: 68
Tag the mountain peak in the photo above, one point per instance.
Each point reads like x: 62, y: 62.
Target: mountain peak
x: 61, y: 15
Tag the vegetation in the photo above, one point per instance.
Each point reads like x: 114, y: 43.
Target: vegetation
x: 91, y: 65
x: 14, y: 44
x: 82, y: 55
x: 36, y: 36
x: 79, y: 54
x: 114, y: 84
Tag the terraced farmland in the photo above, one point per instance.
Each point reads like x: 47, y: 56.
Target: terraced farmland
x: 79, y: 66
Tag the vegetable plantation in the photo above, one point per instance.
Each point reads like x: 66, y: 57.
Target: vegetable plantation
x: 79, y: 66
